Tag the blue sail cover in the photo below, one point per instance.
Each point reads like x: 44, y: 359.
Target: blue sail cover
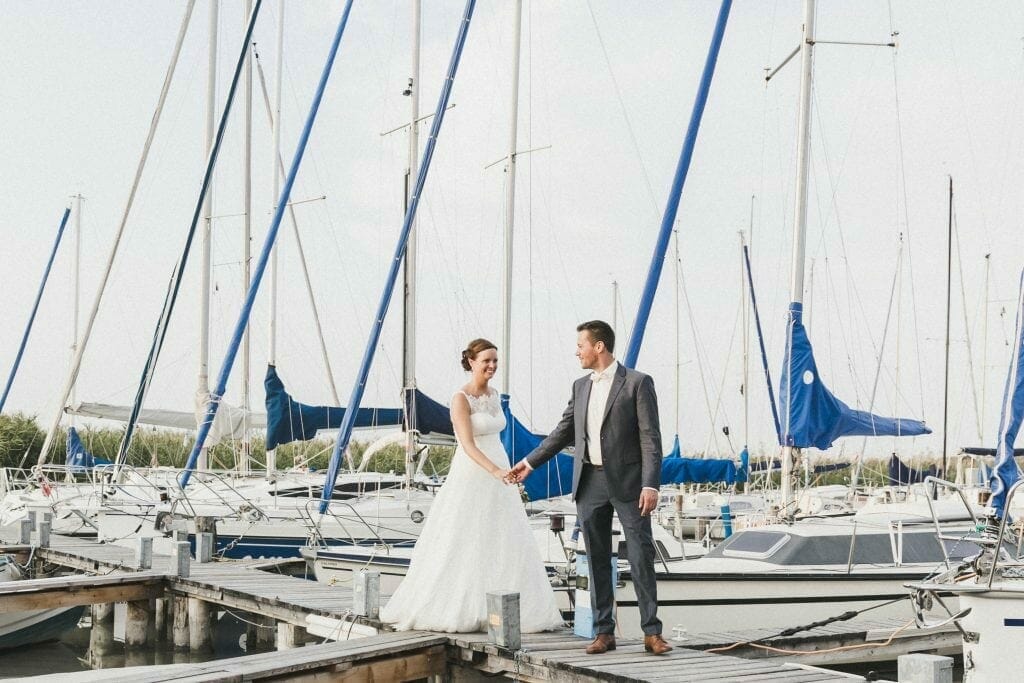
x: 1006, y: 473
x: 550, y: 480
x: 426, y: 415
x: 901, y: 473
x: 288, y: 420
x: 811, y: 415
x: 78, y: 457
x: 676, y: 469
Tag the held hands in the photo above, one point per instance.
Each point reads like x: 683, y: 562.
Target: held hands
x: 501, y: 474
x: 648, y: 501
x: 518, y: 473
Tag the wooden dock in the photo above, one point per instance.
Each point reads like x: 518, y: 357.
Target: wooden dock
x: 366, y: 651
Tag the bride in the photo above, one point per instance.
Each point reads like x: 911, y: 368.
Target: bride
x: 476, y: 538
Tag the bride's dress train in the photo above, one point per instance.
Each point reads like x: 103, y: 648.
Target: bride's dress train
x: 476, y: 539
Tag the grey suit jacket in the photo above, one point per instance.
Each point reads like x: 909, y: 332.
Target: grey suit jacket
x: 630, y: 434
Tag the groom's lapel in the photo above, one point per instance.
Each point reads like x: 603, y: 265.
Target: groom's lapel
x: 582, y: 403
x: 620, y: 379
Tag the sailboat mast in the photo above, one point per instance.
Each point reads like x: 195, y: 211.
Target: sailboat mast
x: 76, y: 281
x: 949, y: 285
x: 203, y: 385
x: 276, y: 125
x: 510, y: 200
x: 409, y: 272
x: 243, y: 460
x: 984, y: 348
x: 799, y: 215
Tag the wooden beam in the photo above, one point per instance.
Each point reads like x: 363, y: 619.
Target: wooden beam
x: 80, y: 590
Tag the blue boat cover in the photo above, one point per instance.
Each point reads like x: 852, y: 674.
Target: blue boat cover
x: 1006, y: 473
x: 811, y: 415
x: 78, y: 457
x: 901, y: 473
x: 676, y: 469
x: 288, y: 420
x: 550, y: 480
x: 426, y: 415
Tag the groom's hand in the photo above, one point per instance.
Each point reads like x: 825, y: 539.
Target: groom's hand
x: 520, y: 472
x: 648, y: 501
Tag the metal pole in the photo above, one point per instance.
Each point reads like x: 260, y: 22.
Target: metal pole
x: 35, y: 308
x: 668, y: 220
x: 984, y: 347
x: 799, y: 224
x: 203, y: 380
x: 510, y: 202
x: 76, y: 282
x: 949, y: 284
x: 278, y: 170
x: 243, y: 461
x: 409, y: 299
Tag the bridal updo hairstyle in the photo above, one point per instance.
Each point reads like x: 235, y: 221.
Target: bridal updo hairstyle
x: 472, y: 349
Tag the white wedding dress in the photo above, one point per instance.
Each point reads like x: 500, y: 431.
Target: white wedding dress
x: 476, y: 539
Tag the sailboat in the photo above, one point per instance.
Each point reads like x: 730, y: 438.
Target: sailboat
x: 988, y: 585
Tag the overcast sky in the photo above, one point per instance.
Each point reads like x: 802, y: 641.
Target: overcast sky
x: 606, y: 91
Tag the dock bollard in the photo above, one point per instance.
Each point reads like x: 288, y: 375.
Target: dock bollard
x: 44, y: 534
x: 26, y: 532
x: 144, y: 552
x: 180, y: 559
x: 503, y: 619
x: 366, y: 594
x: 204, y: 547
x: 922, y: 668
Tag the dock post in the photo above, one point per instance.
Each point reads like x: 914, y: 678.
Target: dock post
x: 101, y: 635
x: 366, y: 594
x: 180, y: 559
x: 136, y: 623
x: 503, y: 619
x: 290, y: 636
x: 200, y: 633
x: 31, y: 517
x: 26, y: 532
x: 179, y: 626
x: 922, y: 668
x: 204, y: 547
x: 266, y: 632
x: 144, y: 552
x: 44, y: 534
x: 160, y: 616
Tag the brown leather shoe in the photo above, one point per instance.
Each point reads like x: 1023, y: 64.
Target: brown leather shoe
x: 656, y: 644
x: 602, y: 643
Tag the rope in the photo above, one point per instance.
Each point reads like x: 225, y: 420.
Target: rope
x: 845, y: 616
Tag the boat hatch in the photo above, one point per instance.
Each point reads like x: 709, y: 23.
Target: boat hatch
x: 756, y: 545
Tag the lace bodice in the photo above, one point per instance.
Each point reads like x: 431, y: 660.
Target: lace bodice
x: 485, y: 413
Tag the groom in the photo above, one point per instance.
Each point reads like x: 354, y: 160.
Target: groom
x: 612, y: 419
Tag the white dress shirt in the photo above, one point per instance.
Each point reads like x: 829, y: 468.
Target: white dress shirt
x: 601, y: 384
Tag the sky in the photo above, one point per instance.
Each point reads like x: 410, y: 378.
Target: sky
x: 606, y: 91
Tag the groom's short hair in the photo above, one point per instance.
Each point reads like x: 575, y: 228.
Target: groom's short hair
x: 599, y: 331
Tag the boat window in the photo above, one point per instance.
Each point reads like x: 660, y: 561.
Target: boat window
x: 755, y: 545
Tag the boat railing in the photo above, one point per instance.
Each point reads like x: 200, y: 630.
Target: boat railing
x: 1002, y: 530
x: 933, y: 484
x: 314, y: 522
x: 134, y: 482
x: 219, y: 486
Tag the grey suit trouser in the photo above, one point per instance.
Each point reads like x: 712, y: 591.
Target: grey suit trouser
x: 594, y: 506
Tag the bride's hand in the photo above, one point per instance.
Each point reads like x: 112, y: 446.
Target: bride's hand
x: 501, y: 474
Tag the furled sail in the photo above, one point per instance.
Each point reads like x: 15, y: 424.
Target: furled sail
x: 811, y: 415
x: 288, y: 420
x: 78, y: 457
x: 1006, y: 473
x: 227, y: 427
x: 676, y: 469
